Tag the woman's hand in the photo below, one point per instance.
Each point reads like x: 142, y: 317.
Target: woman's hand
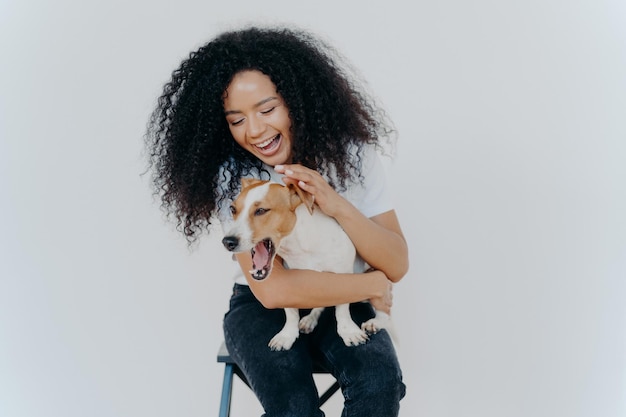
x: 310, y: 181
x: 385, y: 301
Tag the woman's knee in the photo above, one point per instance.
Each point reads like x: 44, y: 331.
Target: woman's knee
x: 374, y: 394
x: 378, y: 383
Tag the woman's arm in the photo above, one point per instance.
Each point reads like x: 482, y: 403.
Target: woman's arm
x: 299, y: 288
x: 378, y: 240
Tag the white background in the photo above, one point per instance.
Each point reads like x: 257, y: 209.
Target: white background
x: 510, y: 183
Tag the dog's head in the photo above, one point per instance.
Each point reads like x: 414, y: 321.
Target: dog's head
x: 263, y: 213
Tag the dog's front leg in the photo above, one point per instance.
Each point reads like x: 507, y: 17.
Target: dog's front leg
x: 308, y: 322
x: 289, y: 333
x: 351, y: 334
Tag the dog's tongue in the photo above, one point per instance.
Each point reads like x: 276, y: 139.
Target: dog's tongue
x: 260, y: 256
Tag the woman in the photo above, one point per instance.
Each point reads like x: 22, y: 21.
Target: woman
x: 276, y: 104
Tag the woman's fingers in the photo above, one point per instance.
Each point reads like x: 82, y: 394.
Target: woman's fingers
x: 299, y: 173
x: 307, y: 179
x: 313, y: 183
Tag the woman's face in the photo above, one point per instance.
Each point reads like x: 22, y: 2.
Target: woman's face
x: 258, y: 117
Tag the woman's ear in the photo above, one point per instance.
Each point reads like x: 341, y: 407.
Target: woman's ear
x: 298, y: 196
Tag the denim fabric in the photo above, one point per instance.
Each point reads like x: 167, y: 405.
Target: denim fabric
x: 369, y: 374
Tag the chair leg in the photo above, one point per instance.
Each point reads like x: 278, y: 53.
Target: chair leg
x: 227, y: 391
x: 329, y: 393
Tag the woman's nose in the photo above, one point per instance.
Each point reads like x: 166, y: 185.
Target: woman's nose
x: 256, y: 127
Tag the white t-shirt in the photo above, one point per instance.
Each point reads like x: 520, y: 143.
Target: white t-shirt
x: 371, y: 197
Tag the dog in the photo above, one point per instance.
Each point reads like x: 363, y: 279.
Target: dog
x: 273, y: 219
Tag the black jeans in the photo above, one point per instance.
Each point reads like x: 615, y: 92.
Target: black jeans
x: 369, y: 374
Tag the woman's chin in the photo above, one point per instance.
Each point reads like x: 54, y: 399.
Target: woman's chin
x: 275, y: 161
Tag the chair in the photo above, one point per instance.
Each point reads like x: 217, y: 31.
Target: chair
x: 231, y: 368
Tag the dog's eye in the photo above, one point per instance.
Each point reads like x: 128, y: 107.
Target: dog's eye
x: 260, y: 211
x: 233, y: 210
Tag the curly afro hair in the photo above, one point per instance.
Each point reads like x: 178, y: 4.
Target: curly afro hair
x: 189, y: 142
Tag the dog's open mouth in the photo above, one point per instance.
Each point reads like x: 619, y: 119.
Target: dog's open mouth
x: 262, y: 258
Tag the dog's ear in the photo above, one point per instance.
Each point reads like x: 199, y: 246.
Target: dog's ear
x: 247, y: 182
x: 298, y: 195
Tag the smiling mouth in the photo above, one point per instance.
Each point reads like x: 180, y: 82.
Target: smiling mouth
x: 270, y: 144
x: 262, y: 258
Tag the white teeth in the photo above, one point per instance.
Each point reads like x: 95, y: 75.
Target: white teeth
x: 267, y: 142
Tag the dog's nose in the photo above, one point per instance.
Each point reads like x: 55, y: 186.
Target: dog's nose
x: 230, y: 242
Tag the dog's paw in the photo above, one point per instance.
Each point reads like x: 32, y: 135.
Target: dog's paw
x: 352, y: 335
x: 377, y: 323
x: 372, y: 326
x: 282, y: 341
x: 307, y: 324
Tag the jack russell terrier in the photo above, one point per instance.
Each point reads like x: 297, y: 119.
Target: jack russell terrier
x: 272, y: 219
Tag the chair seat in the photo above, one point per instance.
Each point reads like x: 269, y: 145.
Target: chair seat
x: 231, y: 368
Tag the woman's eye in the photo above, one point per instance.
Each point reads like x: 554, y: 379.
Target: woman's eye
x: 268, y: 110
x: 236, y: 122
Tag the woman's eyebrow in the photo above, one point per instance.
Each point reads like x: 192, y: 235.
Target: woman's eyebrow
x: 259, y: 104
